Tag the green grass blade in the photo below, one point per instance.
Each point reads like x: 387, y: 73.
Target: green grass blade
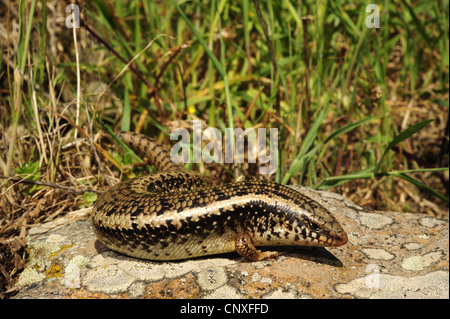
x: 202, y: 42
x: 400, y: 138
x: 302, y: 158
x: 298, y: 163
x: 292, y: 11
x: 126, y: 116
x: 26, y: 40
x: 334, y: 181
x: 348, y: 128
x: 419, y: 25
x: 418, y: 170
x: 111, y: 132
x: 424, y: 187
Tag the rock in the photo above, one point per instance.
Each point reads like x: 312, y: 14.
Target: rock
x: 389, y: 255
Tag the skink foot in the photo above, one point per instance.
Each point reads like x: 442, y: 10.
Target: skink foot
x: 246, y: 249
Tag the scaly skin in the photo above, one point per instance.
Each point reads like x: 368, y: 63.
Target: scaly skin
x: 175, y: 214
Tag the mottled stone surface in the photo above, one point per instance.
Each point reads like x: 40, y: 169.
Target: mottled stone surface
x: 389, y: 255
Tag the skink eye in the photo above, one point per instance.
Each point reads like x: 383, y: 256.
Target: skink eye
x: 152, y: 188
x: 315, y: 227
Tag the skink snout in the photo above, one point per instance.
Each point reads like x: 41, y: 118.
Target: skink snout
x: 340, y: 239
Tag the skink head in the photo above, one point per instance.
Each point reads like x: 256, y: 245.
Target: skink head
x: 318, y: 226
x: 289, y: 217
x: 300, y: 229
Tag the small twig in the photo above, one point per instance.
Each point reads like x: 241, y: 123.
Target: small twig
x: 127, y: 66
x: 77, y: 63
x: 175, y: 52
x: 110, y: 48
x: 130, y: 65
x: 67, y: 188
x: 153, y: 92
x: 251, y: 106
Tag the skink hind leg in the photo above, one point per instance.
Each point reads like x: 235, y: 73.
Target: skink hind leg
x: 245, y: 248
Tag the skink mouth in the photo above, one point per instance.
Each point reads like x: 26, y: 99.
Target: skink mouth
x: 340, y: 239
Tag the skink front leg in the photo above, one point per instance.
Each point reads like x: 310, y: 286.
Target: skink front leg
x: 244, y: 246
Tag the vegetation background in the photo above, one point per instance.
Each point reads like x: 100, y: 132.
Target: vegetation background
x: 361, y: 111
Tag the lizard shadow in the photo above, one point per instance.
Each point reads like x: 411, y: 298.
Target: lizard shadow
x: 314, y: 254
